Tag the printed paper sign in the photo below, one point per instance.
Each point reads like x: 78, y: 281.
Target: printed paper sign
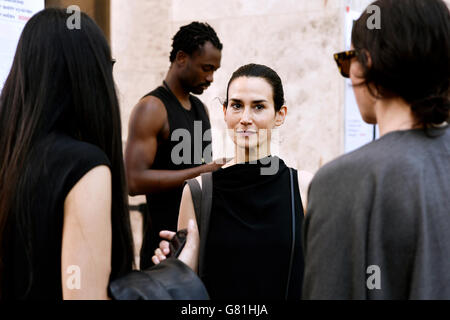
x: 14, y: 14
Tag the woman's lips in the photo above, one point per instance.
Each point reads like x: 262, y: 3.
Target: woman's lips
x: 245, y: 133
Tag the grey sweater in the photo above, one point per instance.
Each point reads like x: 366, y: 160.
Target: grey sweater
x: 378, y: 221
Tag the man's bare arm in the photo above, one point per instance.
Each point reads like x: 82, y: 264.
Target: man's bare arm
x: 147, y: 122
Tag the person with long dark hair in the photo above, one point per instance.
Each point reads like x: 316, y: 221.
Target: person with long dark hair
x: 64, y: 222
x: 378, y: 223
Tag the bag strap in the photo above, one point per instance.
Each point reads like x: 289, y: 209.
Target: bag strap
x: 196, y: 194
x: 291, y: 260
x: 204, y: 221
x: 202, y: 199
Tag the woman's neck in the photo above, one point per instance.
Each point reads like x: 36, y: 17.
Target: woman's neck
x: 250, y: 154
x: 393, y: 115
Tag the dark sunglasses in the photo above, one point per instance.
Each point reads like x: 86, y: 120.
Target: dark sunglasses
x: 343, y: 61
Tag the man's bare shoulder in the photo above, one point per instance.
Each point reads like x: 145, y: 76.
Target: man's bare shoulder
x: 149, y: 114
x: 150, y: 107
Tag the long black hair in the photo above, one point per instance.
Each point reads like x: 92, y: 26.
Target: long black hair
x: 410, y: 55
x: 61, y: 79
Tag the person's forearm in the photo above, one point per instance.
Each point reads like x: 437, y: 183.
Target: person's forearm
x: 154, y: 181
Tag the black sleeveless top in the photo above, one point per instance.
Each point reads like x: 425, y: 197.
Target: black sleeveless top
x: 64, y: 162
x: 248, y: 248
x: 164, y: 206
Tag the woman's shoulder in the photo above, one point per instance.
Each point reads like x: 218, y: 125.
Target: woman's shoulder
x: 67, y: 149
x: 69, y: 159
x: 304, y: 179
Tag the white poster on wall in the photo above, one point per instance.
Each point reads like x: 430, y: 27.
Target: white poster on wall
x: 14, y: 14
x: 357, y: 132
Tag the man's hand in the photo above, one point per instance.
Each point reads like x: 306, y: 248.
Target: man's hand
x: 218, y: 163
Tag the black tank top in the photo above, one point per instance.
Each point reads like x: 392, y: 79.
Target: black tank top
x: 164, y: 206
x: 249, y: 239
x: 38, y: 276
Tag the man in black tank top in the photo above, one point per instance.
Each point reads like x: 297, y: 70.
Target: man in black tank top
x: 169, y: 137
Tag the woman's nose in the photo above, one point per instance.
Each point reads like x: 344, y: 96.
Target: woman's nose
x: 246, y: 116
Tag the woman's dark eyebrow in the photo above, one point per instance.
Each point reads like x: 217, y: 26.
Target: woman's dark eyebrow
x: 254, y: 101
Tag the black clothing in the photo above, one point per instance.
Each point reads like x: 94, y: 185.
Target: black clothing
x: 64, y: 162
x: 163, y: 207
x: 381, y: 214
x: 169, y: 280
x: 248, y: 248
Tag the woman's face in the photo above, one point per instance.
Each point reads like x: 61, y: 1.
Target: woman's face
x: 365, y: 101
x: 250, y: 114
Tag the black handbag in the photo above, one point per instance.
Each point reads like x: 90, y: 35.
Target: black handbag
x: 169, y: 280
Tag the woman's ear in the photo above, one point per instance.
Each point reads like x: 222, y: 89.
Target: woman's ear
x: 280, y: 115
x: 224, y: 106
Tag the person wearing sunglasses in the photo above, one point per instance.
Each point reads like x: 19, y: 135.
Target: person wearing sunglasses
x: 378, y: 222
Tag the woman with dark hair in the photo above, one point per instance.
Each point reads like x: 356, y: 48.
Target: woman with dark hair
x: 378, y: 223
x: 64, y: 222
x: 254, y: 198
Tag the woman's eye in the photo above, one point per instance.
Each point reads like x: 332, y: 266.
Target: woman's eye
x: 259, y: 107
x: 236, y: 105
